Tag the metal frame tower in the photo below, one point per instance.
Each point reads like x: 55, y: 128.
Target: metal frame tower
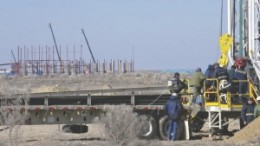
x: 244, y: 25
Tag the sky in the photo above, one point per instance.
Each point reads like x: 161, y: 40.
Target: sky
x: 156, y: 34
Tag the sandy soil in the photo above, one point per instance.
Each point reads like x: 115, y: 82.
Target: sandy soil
x: 250, y: 133
x: 32, y: 135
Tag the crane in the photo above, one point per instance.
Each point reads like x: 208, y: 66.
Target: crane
x: 88, y: 45
x: 56, y: 47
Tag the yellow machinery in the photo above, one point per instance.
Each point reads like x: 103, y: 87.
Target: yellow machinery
x: 225, y: 42
x: 220, y: 105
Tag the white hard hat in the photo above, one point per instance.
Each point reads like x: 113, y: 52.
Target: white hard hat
x: 174, y: 94
x: 258, y: 98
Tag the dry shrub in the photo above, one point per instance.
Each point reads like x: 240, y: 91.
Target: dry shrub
x: 12, y: 118
x: 10, y: 114
x: 122, y: 125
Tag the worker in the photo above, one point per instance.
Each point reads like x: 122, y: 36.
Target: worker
x: 233, y: 85
x: 231, y: 72
x: 177, y: 85
x: 209, y: 74
x: 196, y: 84
x: 247, y: 112
x: 241, y: 76
x: 257, y: 108
x: 209, y: 83
x: 222, y: 83
x: 173, y: 109
x: 220, y: 72
x: 222, y: 75
x: 216, y: 66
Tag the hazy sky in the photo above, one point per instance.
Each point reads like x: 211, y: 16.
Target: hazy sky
x: 157, y: 34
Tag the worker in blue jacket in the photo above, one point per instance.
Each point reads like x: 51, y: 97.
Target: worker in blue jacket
x: 223, y: 78
x: 247, y: 112
x: 209, y: 74
x: 173, y: 109
x: 221, y: 72
x: 240, y: 74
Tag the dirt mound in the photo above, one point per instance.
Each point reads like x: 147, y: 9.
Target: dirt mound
x: 250, y: 133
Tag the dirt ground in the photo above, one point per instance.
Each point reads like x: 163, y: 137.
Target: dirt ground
x: 43, y: 135
x: 32, y: 135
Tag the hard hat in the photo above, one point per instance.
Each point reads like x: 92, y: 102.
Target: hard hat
x: 176, y: 74
x: 241, y: 62
x: 198, y: 69
x: 174, y: 94
x: 258, y: 98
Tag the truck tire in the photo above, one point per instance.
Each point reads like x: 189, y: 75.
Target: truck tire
x: 197, y: 125
x: 163, y: 127
x: 149, y: 128
x: 75, y: 128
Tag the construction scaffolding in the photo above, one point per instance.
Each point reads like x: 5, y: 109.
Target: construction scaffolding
x: 42, y: 61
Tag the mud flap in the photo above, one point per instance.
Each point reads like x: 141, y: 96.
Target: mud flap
x: 187, y: 132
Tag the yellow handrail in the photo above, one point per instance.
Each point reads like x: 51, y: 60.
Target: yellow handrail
x: 253, y: 93
x: 213, y: 91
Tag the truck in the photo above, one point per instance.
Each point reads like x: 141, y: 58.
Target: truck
x: 81, y: 107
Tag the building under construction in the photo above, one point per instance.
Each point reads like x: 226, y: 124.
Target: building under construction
x: 41, y: 61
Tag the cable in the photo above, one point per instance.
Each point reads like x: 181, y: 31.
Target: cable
x: 221, y: 18
x: 157, y: 98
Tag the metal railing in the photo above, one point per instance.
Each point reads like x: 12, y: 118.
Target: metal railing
x: 230, y: 98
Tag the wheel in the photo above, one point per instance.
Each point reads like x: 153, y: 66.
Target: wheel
x: 75, y: 128
x: 196, y: 125
x: 148, y: 129
x: 163, y: 128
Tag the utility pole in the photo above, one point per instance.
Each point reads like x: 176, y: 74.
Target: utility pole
x: 88, y: 46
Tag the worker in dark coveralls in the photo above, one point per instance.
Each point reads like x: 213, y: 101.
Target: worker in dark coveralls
x: 173, y: 109
x: 177, y: 84
x: 241, y: 75
x: 221, y: 72
x: 222, y: 75
x: 209, y: 74
x: 231, y: 72
x: 247, y: 112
